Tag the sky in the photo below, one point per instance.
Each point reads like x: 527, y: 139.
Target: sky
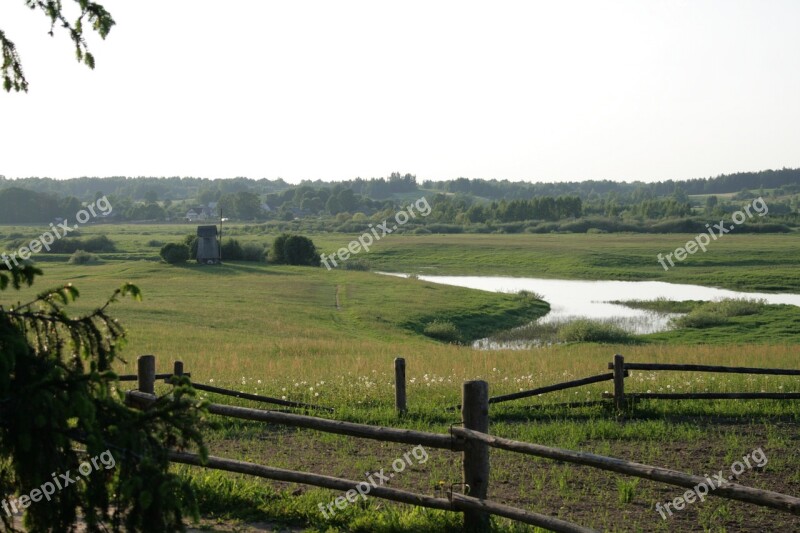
x: 536, y: 91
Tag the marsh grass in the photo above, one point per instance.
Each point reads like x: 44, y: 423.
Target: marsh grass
x: 543, y: 332
x: 661, y: 305
x: 585, y: 330
x: 717, y: 313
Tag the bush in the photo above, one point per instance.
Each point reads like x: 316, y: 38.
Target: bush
x: 254, y: 252
x: 442, y: 330
x: 294, y: 250
x: 232, y: 250
x: 174, y: 253
x: 191, y: 242
x: 69, y: 245
x: 155, y: 243
x: 82, y: 257
x: 585, y: 330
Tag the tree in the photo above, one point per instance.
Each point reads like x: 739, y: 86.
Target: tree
x: 247, y: 205
x: 59, y: 390
x: 99, y: 19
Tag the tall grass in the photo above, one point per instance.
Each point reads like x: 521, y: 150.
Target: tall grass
x: 719, y: 312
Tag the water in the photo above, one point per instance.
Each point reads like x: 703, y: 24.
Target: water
x: 570, y: 299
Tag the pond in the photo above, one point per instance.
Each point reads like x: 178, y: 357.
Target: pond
x: 570, y: 299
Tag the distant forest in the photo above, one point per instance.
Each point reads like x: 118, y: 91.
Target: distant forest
x: 457, y: 205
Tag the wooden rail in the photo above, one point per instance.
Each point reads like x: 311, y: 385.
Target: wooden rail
x: 710, y: 368
x: 764, y: 498
x: 455, y: 501
x: 621, y: 369
x: 352, y: 429
x: 258, y: 398
x: 134, y: 377
x: 709, y: 395
x: 549, y: 388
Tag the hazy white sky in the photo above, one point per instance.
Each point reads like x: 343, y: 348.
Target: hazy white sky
x: 530, y: 90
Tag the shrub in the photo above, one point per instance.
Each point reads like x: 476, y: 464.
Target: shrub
x: 155, y: 243
x: 82, y: 257
x: 585, y: 330
x: 232, y: 250
x: 174, y: 253
x: 442, y: 330
x: 254, y: 252
x: 191, y: 242
x: 294, y: 250
x: 97, y: 244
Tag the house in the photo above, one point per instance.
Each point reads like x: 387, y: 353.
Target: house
x: 203, y: 212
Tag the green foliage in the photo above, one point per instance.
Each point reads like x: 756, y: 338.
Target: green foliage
x: 191, y: 242
x: 731, y: 307
x: 232, y: 250
x: 254, y: 252
x: 82, y: 257
x: 356, y: 264
x: 59, y: 390
x: 293, y: 250
x: 442, y: 330
x: 585, y: 330
x: 174, y: 253
x: 661, y: 305
x: 699, y: 319
x: 529, y: 295
x: 710, y: 314
x: 96, y: 244
x: 626, y: 489
x: 99, y: 19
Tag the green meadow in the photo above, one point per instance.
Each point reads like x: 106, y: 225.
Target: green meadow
x: 330, y: 337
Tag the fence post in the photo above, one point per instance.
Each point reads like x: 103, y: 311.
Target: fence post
x: 146, y: 373
x: 177, y: 368
x: 400, y: 385
x: 619, y: 382
x: 475, y: 416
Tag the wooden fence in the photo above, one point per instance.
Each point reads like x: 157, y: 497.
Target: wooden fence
x: 472, y: 440
x: 621, y: 369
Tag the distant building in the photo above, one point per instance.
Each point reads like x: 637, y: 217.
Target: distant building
x: 202, y: 212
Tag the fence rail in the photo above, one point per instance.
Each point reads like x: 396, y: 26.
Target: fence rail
x: 709, y: 368
x: 621, y: 369
x: 473, y: 440
x: 549, y: 388
x: 258, y: 398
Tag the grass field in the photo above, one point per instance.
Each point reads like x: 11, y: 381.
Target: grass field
x: 330, y: 337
